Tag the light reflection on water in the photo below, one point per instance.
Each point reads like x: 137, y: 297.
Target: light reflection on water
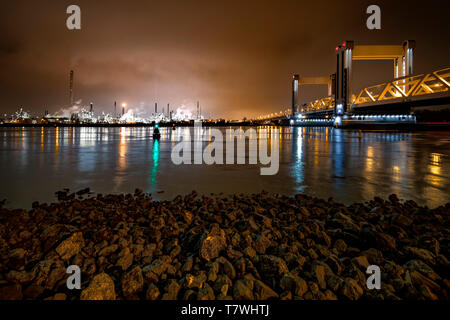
x: 347, y: 165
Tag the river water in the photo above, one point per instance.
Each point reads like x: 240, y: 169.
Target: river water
x: 351, y: 166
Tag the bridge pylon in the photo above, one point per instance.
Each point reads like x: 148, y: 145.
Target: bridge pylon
x: 401, y: 55
x: 295, y: 80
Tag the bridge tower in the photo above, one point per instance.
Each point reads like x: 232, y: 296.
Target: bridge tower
x: 401, y: 55
x: 295, y: 79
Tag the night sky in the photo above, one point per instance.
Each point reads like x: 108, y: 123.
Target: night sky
x: 236, y: 57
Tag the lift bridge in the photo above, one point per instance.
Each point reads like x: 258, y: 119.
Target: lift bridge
x: 387, y: 102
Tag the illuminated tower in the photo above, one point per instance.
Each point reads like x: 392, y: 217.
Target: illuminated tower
x: 295, y: 94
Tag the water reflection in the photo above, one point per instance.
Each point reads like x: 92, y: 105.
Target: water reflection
x: 347, y: 165
x: 155, y: 165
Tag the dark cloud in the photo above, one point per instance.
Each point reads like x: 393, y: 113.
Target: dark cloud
x: 236, y: 57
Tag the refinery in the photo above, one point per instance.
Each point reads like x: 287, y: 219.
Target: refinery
x: 77, y: 115
x: 122, y: 114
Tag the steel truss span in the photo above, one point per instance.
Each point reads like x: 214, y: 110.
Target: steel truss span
x: 414, y: 87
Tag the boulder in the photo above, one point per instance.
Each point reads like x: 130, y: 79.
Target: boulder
x: 71, y: 246
x: 100, y: 288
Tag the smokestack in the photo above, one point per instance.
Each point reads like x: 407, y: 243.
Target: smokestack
x: 71, y: 88
x: 92, y: 107
x: 115, y: 109
x: 168, y: 109
x: 156, y: 107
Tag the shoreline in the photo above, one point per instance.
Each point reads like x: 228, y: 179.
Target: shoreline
x: 363, y: 126
x: 242, y: 247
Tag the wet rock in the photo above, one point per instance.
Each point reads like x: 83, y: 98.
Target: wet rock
x: 17, y: 259
x: 263, y: 291
x: 60, y: 297
x: 12, y: 292
x: 419, y: 279
x: 20, y: 277
x: 423, y: 254
x: 158, y: 266
x: 188, y: 217
x: 373, y: 256
x: 351, y: 289
x: 340, y: 246
x: 132, y: 282
x: 329, y: 295
x: 261, y: 244
x: 361, y: 262
x: 241, y: 291
x: 228, y: 267
x: 319, y: 272
x: 187, y: 266
x: 148, y: 251
x: 250, y: 252
x: 191, y: 281
x: 222, y: 284
x: 106, y: 251
x: 233, y: 254
x: 423, y: 268
x: 71, y: 246
x: 393, y: 269
x: 125, y: 259
x: 172, y: 290
x: 430, y: 243
x: 334, y: 283
x: 271, y: 266
x: 385, y: 241
x: 55, y: 275
x: 33, y: 291
x: 293, y: 283
x: 212, y: 243
x: 402, y: 220
x: 286, y: 295
x: 100, y: 288
x: 152, y: 292
x: 206, y: 293
x: 41, y: 271
x: 335, y: 264
x: 426, y: 292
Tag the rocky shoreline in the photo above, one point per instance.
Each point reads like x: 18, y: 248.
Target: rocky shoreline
x: 241, y: 247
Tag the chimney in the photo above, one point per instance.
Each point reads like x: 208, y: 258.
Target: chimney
x: 71, y: 88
